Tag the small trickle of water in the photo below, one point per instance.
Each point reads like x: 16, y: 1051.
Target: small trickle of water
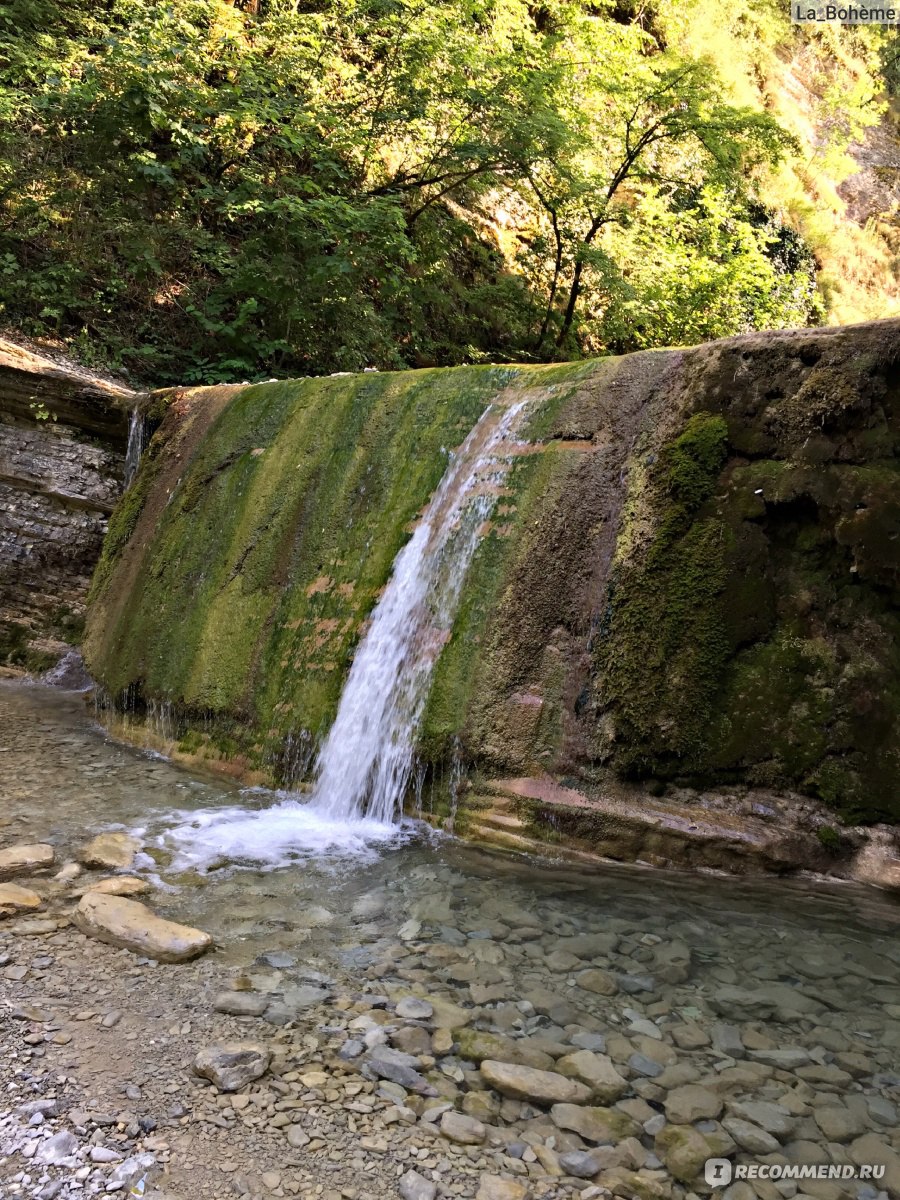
x: 418, y: 784
x: 366, y: 761
x: 137, y: 444
x: 457, y: 774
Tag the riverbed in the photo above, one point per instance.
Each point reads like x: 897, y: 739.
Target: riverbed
x: 759, y: 1015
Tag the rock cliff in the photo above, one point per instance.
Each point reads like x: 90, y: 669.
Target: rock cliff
x: 63, y: 436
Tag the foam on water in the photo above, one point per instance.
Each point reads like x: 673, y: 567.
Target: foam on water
x: 274, y: 836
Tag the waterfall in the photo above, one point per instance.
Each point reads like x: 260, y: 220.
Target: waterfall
x: 366, y: 761
x: 368, y: 758
x: 137, y: 443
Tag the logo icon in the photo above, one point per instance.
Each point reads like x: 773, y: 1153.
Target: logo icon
x: 717, y: 1172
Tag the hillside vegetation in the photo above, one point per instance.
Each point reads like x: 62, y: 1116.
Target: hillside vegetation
x: 200, y: 190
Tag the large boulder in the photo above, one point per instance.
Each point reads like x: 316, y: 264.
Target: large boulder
x: 25, y: 860
x: 132, y: 925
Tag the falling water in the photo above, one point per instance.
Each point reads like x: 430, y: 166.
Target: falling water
x: 137, y: 443
x: 366, y: 762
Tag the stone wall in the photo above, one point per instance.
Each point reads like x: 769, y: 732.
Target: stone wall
x: 63, y: 436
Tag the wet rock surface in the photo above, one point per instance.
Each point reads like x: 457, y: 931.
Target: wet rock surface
x: 382, y: 1059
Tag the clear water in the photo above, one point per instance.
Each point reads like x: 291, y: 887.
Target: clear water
x: 489, y: 934
x: 62, y: 778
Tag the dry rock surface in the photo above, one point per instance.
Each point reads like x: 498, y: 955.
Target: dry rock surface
x: 131, y: 925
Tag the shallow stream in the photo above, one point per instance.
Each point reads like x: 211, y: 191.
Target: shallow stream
x: 721, y: 970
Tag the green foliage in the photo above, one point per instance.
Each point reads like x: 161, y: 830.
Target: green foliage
x: 201, y: 191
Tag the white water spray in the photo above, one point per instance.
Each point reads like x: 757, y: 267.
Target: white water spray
x: 365, y: 764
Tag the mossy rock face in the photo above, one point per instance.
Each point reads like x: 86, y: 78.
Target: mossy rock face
x: 751, y: 632
x: 692, y: 573
x: 240, y: 567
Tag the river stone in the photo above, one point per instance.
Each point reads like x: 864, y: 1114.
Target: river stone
x: 690, y: 1103
x: 396, y: 1072
x: 495, y: 1187
x: 62, y: 1145
x: 475, y: 1046
x: 871, y: 1148
x: 25, y: 860
x: 457, y: 1127
x: 685, y: 1149
x: 526, y: 1083
x: 771, y: 1117
x: 411, y: 1008
x: 774, y: 999
x: 838, y: 1123
x: 579, y: 1163
x: 120, y: 885
x: 232, y: 1065
x: 750, y: 1137
x: 241, y: 1004
x: 448, y: 1015
x: 783, y: 1060
x: 642, y: 1065
x: 414, y: 1186
x: 597, y: 981
x: 597, y: 1071
x: 603, y: 1126
x: 15, y: 899
x: 110, y: 850
x: 131, y: 925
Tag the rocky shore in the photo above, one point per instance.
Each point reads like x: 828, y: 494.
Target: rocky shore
x: 504, y: 1056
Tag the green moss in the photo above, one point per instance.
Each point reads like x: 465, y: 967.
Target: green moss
x: 282, y: 529
x: 692, y: 462
x: 830, y: 838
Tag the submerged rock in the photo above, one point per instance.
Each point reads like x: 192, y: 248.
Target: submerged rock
x: 597, y: 1071
x: 132, y: 925
x: 241, y: 1004
x: 25, y: 860
x: 603, y: 1126
x: 232, y: 1065
x: 526, y: 1083
x: 110, y: 851
x: 477, y: 1045
x: 121, y: 885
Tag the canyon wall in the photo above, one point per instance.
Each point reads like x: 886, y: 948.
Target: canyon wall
x: 63, y: 436
x: 690, y: 581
